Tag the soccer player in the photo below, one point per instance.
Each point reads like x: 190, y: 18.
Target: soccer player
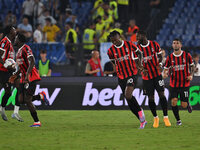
x: 179, y: 63
x: 152, y: 79
x: 6, y: 51
x: 121, y: 54
x: 29, y: 77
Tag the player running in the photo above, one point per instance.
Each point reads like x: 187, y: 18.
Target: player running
x: 121, y: 54
x: 6, y: 51
x: 29, y: 76
x: 178, y: 65
x: 152, y: 79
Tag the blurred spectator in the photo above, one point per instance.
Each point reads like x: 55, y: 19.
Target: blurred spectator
x: 155, y: 7
x: 109, y: 69
x: 10, y: 19
x: 89, y: 37
x: 37, y: 35
x: 117, y: 28
x: 44, y: 65
x: 25, y: 28
x: 50, y: 31
x: 123, y: 6
x: 71, y: 38
x: 37, y: 10
x: 197, y: 65
x: 93, y: 67
x: 132, y: 30
x: 107, y: 20
x: 97, y: 9
x: 42, y: 18
x: 100, y: 26
x: 27, y: 10
x: 113, y: 7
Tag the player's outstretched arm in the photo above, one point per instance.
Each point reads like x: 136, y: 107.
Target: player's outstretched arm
x: 192, y: 68
x: 1, y: 54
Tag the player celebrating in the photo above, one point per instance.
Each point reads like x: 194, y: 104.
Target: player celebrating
x: 152, y: 80
x: 30, y: 75
x: 121, y: 54
x: 6, y: 51
x: 179, y: 63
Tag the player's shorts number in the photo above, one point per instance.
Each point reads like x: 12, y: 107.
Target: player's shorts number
x: 186, y: 93
x: 161, y: 82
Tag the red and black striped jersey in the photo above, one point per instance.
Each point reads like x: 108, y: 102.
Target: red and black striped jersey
x: 124, y: 57
x: 7, y: 48
x: 22, y: 60
x: 179, y: 66
x: 150, y: 59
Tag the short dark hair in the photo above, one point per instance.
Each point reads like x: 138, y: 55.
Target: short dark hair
x: 21, y: 37
x: 195, y: 55
x: 114, y: 33
x: 177, y: 39
x: 142, y: 32
x: 8, y: 29
x: 48, y: 19
x: 37, y: 25
x: 43, y: 51
x: 70, y: 24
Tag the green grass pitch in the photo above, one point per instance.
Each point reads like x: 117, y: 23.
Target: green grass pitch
x: 98, y: 130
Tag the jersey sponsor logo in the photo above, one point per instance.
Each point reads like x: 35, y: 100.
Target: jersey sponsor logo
x: 145, y: 59
x: 179, y: 67
x: 2, y: 45
x: 126, y: 57
x: 108, y: 96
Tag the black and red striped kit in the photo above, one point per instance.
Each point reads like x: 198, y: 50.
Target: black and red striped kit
x: 124, y: 57
x: 179, y: 66
x: 7, y: 48
x: 150, y: 59
x: 22, y: 60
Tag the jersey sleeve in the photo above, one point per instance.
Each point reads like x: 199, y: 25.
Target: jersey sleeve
x: 29, y: 52
x: 168, y: 63
x: 2, y: 45
x: 158, y: 49
x: 110, y: 55
x: 190, y: 60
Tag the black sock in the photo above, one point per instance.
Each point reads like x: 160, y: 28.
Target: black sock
x: 134, y: 106
x: 176, y: 112
x: 36, y: 97
x: 17, y: 100
x: 152, y: 106
x: 34, y: 116
x: 163, y: 102
x: 5, y: 99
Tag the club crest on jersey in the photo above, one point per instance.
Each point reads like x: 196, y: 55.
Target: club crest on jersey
x: 152, y: 49
x: 126, y: 49
x: 2, y: 45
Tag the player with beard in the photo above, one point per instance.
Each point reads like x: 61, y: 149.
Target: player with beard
x: 29, y: 76
x: 122, y: 55
x: 151, y: 60
x: 178, y: 65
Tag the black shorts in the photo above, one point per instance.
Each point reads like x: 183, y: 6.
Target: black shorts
x: 130, y: 81
x: 28, y: 89
x: 149, y: 86
x: 4, y: 77
x: 182, y: 92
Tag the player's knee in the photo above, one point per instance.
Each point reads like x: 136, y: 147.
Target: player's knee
x: 174, y: 101
x: 128, y: 96
x: 184, y: 104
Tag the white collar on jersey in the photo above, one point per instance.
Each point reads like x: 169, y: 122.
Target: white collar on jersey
x: 146, y: 44
x: 21, y: 47
x: 8, y: 39
x: 179, y: 54
x: 120, y: 45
